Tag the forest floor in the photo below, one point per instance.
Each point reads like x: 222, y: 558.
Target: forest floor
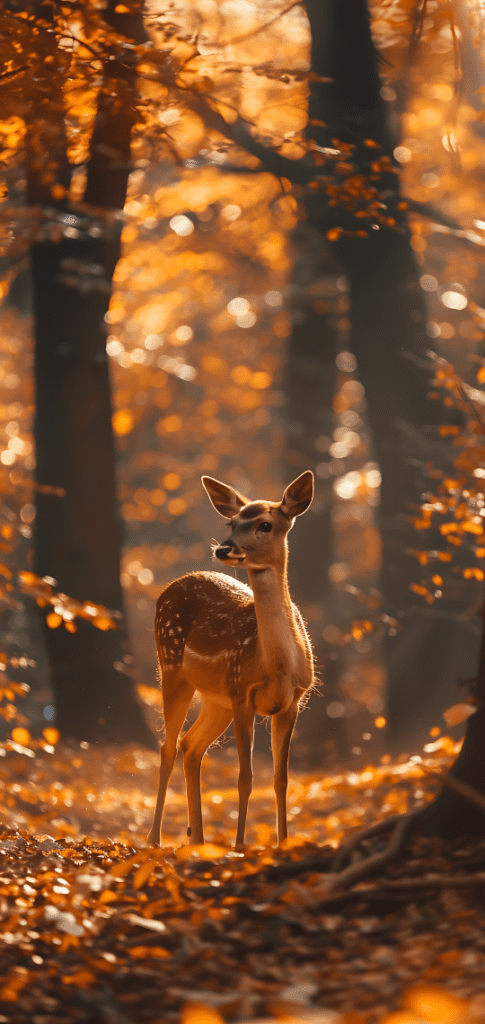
x: 106, y: 931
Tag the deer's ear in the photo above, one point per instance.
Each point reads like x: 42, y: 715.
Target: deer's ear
x: 225, y: 499
x: 298, y: 495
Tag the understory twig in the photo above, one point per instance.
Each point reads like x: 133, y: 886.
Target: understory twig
x: 368, y: 833
x: 429, y: 881
x: 344, y: 879
x: 463, y: 789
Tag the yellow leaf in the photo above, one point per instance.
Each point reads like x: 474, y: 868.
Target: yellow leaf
x: 5, y: 571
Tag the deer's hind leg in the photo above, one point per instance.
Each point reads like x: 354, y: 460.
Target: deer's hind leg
x: 213, y: 720
x: 177, y: 695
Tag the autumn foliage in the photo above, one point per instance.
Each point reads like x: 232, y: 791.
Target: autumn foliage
x: 213, y: 99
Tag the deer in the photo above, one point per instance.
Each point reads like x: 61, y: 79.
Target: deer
x: 244, y: 649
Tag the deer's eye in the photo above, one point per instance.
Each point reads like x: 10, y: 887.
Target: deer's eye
x: 264, y: 528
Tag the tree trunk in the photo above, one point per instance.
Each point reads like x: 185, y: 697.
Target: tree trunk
x: 78, y: 538
x: 449, y: 815
x: 388, y: 316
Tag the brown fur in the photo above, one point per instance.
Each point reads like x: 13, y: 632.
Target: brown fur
x: 244, y: 650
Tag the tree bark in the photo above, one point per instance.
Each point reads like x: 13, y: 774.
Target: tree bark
x: 449, y: 815
x: 79, y: 537
x: 388, y: 317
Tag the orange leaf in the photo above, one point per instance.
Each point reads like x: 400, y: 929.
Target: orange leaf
x: 451, y: 956
x: 108, y: 896
x: 80, y: 979
x: 199, y: 1013
x: 435, y: 1004
x: 401, y: 1017
x: 21, y: 736
x: 29, y: 578
x: 142, y: 874
x: 103, y: 622
x: 459, y: 713
x: 143, y: 952
x: 51, y: 735
x: 53, y: 620
x: 124, y: 867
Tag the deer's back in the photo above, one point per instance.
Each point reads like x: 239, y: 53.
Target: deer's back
x: 206, y: 611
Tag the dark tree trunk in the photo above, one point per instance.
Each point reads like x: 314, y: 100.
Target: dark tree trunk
x: 78, y: 538
x: 387, y: 309
x: 449, y: 815
x: 388, y: 316
x: 309, y: 387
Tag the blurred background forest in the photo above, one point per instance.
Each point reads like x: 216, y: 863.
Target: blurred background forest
x: 241, y: 239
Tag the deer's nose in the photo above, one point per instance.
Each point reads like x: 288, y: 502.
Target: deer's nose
x: 223, y: 551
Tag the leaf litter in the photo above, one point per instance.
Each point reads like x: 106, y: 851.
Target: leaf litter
x: 97, y: 927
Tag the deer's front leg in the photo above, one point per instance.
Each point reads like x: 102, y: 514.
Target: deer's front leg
x: 282, y: 726
x: 244, y: 732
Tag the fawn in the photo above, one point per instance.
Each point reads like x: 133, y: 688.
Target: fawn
x: 244, y: 650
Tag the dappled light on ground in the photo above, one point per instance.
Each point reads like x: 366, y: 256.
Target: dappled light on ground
x: 73, y: 791
x: 124, y: 932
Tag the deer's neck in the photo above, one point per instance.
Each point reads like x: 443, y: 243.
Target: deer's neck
x: 278, y: 633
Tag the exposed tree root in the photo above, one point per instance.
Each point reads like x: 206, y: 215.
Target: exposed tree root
x: 462, y: 789
x: 339, y: 879
x: 443, y: 881
x: 369, y: 833
x: 403, y: 825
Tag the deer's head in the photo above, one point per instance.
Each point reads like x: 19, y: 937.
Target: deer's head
x: 258, y: 528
